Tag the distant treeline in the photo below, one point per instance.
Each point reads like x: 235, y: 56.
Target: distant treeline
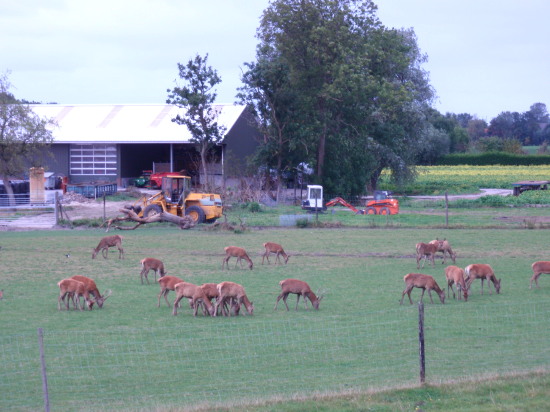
x: 492, y: 158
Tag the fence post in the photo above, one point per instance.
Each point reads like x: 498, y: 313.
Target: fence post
x: 446, y: 210
x: 43, y: 365
x: 421, y: 342
x: 56, y: 208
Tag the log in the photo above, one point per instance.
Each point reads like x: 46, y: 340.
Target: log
x: 184, y: 222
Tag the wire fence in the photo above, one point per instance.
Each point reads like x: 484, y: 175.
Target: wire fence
x: 235, y: 361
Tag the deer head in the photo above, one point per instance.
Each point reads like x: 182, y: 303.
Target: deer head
x: 101, y: 299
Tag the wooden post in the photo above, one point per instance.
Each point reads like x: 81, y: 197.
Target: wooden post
x: 421, y: 342
x: 43, y: 365
x: 446, y: 210
x: 104, y: 213
x: 56, y: 207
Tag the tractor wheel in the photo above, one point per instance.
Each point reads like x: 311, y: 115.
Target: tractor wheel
x: 384, y: 211
x: 370, y: 211
x: 152, y: 210
x: 195, y: 213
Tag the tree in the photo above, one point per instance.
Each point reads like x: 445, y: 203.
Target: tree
x: 197, y: 97
x: 359, y: 90
x: 24, y: 137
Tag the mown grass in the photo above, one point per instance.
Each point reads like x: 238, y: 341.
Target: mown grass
x: 134, y: 356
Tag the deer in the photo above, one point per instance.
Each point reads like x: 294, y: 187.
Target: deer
x: 484, y: 272
x: 445, y: 247
x: 271, y: 247
x: 211, y: 292
x: 539, y: 268
x: 77, y: 289
x: 455, y: 275
x: 153, y: 264
x: 424, y: 282
x: 299, y: 288
x: 197, y: 296
x: 167, y: 283
x: 239, y: 253
x: 228, y: 290
x: 107, y: 242
x: 92, y: 289
x: 425, y: 250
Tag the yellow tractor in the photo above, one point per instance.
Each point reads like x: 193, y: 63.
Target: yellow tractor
x: 176, y: 198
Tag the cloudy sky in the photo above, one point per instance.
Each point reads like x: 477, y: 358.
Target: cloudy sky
x: 485, y: 57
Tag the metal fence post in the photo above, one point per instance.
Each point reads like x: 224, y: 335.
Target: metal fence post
x: 43, y: 366
x: 56, y: 207
x: 421, y: 342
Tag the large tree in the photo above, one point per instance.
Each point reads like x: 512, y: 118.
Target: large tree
x: 359, y: 90
x: 197, y: 97
x: 24, y: 137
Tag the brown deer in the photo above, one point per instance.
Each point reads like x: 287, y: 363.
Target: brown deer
x: 228, y: 290
x: 484, y: 272
x: 237, y: 252
x: 211, y: 292
x: 271, y: 247
x: 299, y: 288
x: 424, y: 282
x: 153, y: 264
x: 167, y: 283
x: 107, y: 242
x: 455, y: 275
x: 445, y: 247
x: 425, y: 250
x: 77, y: 289
x: 539, y: 268
x: 197, y: 296
x: 92, y: 289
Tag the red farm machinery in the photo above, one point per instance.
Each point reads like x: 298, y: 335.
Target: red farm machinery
x: 382, y: 204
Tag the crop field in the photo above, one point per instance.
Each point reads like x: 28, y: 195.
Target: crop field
x: 465, y: 178
x: 131, y: 355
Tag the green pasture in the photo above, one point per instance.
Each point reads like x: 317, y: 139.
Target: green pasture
x: 132, y: 355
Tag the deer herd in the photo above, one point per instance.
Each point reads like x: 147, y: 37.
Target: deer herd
x: 227, y: 298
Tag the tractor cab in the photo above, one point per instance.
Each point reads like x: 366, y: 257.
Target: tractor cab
x: 176, y: 188
x: 314, y: 200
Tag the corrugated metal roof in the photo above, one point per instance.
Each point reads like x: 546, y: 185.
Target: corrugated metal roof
x: 124, y: 123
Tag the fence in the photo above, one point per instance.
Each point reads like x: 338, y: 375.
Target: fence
x: 220, y: 362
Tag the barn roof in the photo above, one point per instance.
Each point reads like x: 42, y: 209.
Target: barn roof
x: 138, y: 123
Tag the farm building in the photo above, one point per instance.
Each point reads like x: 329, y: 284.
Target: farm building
x: 116, y: 143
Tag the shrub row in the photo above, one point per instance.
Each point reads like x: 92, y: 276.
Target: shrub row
x: 493, y: 158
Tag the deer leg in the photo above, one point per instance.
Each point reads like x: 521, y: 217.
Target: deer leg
x: 482, y: 281
x: 176, y: 302
x: 105, y: 252
x: 297, y: 300
x: 422, y: 296
x: 406, y: 290
x: 430, y: 295
x: 120, y: 253
x: 535, y: 278
x: 452, y: 288
x: 278, y: 299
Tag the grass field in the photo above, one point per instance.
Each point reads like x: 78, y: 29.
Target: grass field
x: 132, y: 355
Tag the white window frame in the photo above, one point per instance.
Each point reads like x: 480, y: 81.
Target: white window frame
x: 93, y: 160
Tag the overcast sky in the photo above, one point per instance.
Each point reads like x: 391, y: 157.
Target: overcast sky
x: 485, y: 56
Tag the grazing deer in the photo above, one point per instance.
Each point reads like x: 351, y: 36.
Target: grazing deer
x: 211, y: 292
x: 153, y: 264
x: 228, y: 290
x: 445, y: 247
x: 197, y: 296
x: 271, y: 247
x: 538, y: 269
x: 424, y: 282
x: 106, y: 243
x: 455, y: 275
x: 167, y: 283
x: 237, y: 252
x: 77, y: 289
x: 425, y: 250
x: 299, y: 288
x: 92, y: 289
x: 484, y: 272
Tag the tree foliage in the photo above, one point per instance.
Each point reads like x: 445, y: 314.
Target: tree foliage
x: 24, y: 137
x: 335, y: 88
x: 197, y: 97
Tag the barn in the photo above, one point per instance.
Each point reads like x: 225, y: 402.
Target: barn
x: 116, y: 143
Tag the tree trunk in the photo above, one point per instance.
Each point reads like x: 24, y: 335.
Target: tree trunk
x: 9, y: 190
x: 204, y: 149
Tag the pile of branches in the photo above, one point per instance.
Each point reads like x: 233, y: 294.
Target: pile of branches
x: 131, y: 215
